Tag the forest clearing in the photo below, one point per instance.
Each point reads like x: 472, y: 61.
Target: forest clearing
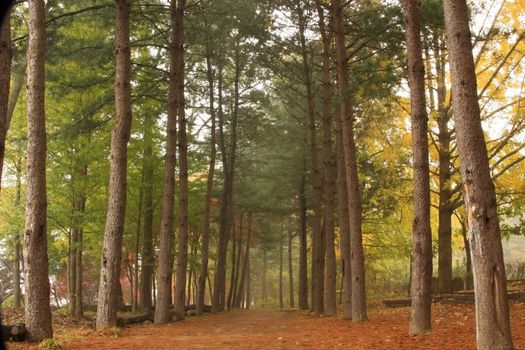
x: 267, y: 174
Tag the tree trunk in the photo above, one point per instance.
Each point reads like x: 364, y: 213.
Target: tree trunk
x: 445, y: 205
x: 237, y: 265
x: 182, y: 256
x: 350, y: 155
x: 233, y: 269
x: 318, y: 251
x: 344, y: 229
x: 244, y: 273
x: 421, y: 283
x: 263, y: 282
x: 303, y: 249
x: 135, y: 289
x: 248, y: 286
x: 5, y: 79
x: 219, y: 285
x: 290, y: 269
x: 490, y: 285
x: 148, y: 263
x: 468, y: 282
x: 72, y: 270
x: 17, y: 295
x: 228, y: 159
x: 330, y: 301
x: 165, y: 264
x: 112, y: 248
x: 209, y: 191
x: 37, y: 289
x: 281, y: 297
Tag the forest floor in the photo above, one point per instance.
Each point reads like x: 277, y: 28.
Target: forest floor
x: 453, y: 328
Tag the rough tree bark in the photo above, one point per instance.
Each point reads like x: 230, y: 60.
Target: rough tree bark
x: 165, y: 260
x: 182, y: 256
x: 209, y: 189
x: 421, y: 281
x: 490, y: 285
x: 357, y: 259
x: 113, y: 232
x: 37, y: 290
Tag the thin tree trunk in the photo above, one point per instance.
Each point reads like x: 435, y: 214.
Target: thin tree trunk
x: 350, y: 155
x: 468, y: 282
x: 148, y: 173
x: 263, y: 282
x: 330, y: 302
x: 210, y: 289
x: 237, y: 265
x: 248, y: 285
x: 79, y: 309
x: 182, y: 256
x: 290, y: 269
x: 135, y: 289
x: 344, y: 229
x: 72, y: 270
x: 281, y: 296
x: 112, y: 248
x: 5, y: 79
x: 234, y: 267
x: 165, y: 263
x: 80, y: 209
x: 244, y: 273
x: 37, y: 289
x: 318, y: 251
x: 17, y: 295
x: 227, y: 210
x: 189, y: 286
x: 421, y: 283
x: 219, y: 285
x: 445, y: 205
x: 492, y: 308
x: 209, y: 191
x: 303, y: 249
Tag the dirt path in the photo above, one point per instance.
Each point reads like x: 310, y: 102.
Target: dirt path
x: 452, y: 328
